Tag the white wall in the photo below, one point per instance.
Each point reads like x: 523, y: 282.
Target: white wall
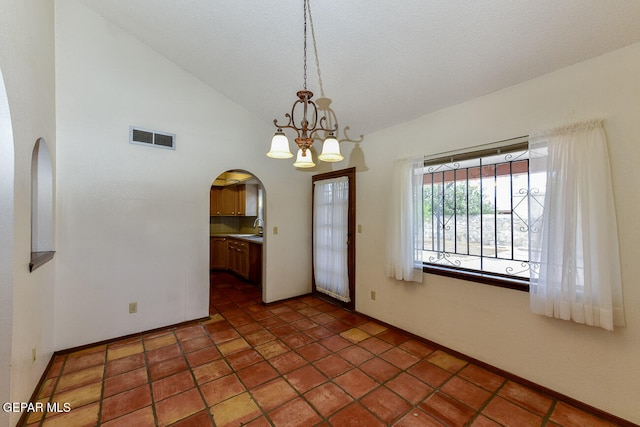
x: 493, y: 324
x: 133, y: 221
x: 6, y: 247
x: 27, y: 63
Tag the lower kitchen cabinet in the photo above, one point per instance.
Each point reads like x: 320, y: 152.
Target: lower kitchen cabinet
x: 255, y: 263
x: 239, y: 256
x: 218, y: 253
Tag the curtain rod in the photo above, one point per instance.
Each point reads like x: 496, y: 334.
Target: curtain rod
x: 515, y: 143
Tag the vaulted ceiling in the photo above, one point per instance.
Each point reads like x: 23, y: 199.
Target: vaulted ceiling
x: 381, y: 62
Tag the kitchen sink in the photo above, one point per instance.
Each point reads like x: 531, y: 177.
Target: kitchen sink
x: 255, y: 237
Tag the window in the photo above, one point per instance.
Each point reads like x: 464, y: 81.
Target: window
x: 476, y: 216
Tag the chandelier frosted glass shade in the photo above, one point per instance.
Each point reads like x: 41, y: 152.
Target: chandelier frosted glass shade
x: 280, y: 146
x: 331, y: 150
x: 304, y: 161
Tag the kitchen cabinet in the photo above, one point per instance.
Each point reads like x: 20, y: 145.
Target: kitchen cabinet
x: 214, y: 201
x: 222, y: 201
x: 234, y: 200
x: 238, y: 257
x: 246, y: 198
x: 227, y: 201
x: 255, y: 263
x: 231, y: 254
x: 218, y: 253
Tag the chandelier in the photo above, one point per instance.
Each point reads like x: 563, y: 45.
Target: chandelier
x: 306, y: 127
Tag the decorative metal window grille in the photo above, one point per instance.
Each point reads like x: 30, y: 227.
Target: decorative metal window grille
x: 476, y: 214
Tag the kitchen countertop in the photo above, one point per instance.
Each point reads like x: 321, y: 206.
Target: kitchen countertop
x: 254, y: 238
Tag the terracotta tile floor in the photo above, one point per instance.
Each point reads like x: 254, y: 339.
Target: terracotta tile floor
x: 302, y: 362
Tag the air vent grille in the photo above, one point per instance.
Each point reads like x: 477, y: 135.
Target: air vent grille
x: 142, y: 136
x: 164, y: 140
x: 152, y: 138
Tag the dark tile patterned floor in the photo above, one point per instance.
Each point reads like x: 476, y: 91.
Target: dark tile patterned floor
x: 301, y: 362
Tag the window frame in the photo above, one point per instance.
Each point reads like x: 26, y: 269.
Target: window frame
x: 483, y: 277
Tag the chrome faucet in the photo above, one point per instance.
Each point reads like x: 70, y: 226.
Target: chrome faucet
x: 260, y: 224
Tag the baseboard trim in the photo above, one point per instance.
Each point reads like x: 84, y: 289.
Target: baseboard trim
x: 129, y: 336
x: 510, y: 376
x: 34, y: 395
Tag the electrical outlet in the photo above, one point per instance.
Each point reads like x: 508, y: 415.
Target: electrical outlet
x: 133, y: 307
x: 359, y: 228
x: 33, y: 354
x: 373, y: 295
x: 275, y: 230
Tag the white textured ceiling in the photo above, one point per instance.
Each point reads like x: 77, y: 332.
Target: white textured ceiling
x: 381, y: 62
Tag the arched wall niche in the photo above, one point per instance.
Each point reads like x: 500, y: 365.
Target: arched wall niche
x: 41, y: 205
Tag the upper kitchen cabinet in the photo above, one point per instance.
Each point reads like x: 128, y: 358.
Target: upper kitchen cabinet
x: 227, y: 202
x: 234, y: 200
x: 214, y: 194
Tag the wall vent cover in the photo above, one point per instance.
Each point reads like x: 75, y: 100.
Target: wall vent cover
x: 152, y: 138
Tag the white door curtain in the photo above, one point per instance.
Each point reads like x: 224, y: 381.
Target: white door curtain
x: 406, y: 223
x: 330, y: 228
x: 573, y: 237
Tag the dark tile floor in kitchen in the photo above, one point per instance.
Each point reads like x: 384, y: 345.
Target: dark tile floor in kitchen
x: 301, y: 362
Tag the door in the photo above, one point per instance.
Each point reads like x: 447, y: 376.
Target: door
x: 334, y: 216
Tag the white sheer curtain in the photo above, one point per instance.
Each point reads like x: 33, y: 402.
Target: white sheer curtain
x: 406, y: 223
x: 330, y: 228
x: 573, y: 242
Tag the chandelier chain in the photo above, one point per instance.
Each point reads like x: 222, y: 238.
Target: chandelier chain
x: 315, y: 50
x: 305, y: 44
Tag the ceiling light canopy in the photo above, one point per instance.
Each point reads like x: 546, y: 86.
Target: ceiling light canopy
x: 307, y: 124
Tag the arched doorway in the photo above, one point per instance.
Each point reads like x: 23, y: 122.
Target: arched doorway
x: 6, y: 245
x: 237, y: 217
